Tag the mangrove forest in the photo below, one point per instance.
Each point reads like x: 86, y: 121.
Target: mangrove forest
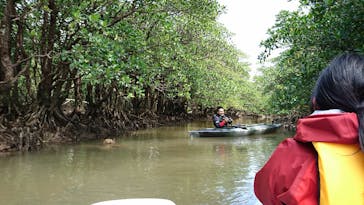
x: 84, y: 69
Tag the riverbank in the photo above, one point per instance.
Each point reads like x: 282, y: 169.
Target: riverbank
x: 39, y: 129
x: 24, y: 134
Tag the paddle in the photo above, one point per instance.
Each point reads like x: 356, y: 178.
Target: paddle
x: 242, y: 126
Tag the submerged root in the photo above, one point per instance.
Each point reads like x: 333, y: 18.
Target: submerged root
x: 34, y: 130
x: 43, y: 126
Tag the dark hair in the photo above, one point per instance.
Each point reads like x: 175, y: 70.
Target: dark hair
x: 218, y: 108
x: 341, y: 86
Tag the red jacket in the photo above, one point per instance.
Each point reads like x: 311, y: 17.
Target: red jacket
x: 291, y: 175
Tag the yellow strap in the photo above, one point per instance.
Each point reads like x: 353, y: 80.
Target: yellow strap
x: 341, y: 169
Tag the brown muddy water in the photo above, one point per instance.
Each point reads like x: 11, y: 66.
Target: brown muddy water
x: 160, y: 162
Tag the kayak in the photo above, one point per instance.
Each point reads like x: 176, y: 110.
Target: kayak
x: 238, y: 130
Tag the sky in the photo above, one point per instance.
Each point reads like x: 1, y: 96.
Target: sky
x: 249, y: 21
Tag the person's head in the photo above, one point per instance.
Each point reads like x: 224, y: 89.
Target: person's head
x: 220, y: 111
x: 341, y: 86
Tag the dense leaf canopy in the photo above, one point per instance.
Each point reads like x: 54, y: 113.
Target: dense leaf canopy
x: 310, y: 37
x: 151, y: 51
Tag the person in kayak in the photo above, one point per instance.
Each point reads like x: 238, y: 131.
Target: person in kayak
x: 324, y: 162
x: 220, y: 120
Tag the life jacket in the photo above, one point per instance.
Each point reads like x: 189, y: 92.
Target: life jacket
x: 218, y: 121
x: 341, y: 173
x: 322, y: 164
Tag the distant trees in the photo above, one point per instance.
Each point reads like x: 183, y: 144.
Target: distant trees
x: 311, y: 37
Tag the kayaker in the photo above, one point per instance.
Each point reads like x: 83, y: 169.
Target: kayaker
x: 324, y: 162
x: 220, y: 120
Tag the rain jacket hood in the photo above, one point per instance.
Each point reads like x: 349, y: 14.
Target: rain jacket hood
x: 291, y: 175
x: 336, y: 128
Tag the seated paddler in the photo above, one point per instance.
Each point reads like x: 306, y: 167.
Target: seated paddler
x: 220, y: 119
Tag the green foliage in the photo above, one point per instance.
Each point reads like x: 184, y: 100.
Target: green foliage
x: 2, y: 8
x: 167, y: 51
x: 311, y: 37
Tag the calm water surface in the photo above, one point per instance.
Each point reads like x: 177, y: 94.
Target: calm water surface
x: 160, y: 163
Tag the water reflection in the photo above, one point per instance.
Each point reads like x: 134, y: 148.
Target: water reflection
x: 163, y: 162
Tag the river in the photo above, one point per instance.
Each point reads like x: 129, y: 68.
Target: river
x: 160, y: 162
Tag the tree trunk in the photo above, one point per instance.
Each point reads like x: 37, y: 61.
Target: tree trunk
x: 78, y: 94
x: 47, y: 45
x: 6, y: 66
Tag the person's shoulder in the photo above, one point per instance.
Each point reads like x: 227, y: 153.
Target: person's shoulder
x: 291, y: 148
x: 293, y: 164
